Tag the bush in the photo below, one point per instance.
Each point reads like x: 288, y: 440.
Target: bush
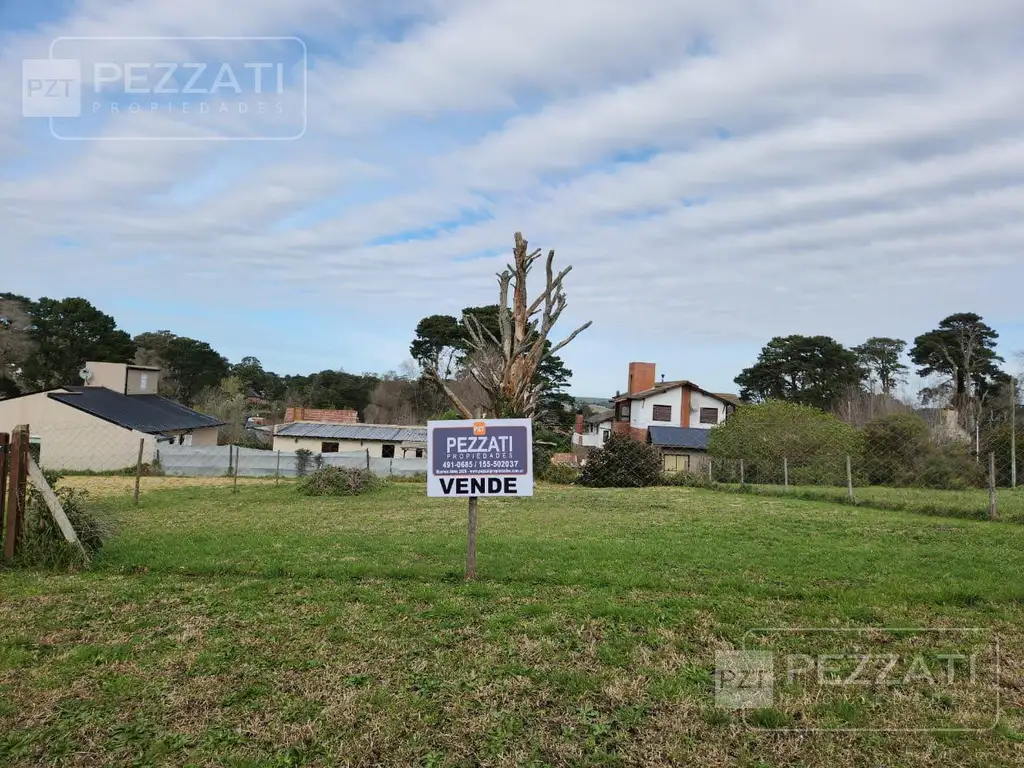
x: 340, y: 481
x: 895, y: 449
x: 303, y: 458
x: 815, y: 443
x: 687, y: 479
x: 44, y: 545
x: 953, y: 469
x: 622, y: 463
x: 562, y: 474
x: 996, y: 439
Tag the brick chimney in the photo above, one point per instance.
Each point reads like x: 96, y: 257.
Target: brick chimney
x: 641, y: 377
x: 579, y: 423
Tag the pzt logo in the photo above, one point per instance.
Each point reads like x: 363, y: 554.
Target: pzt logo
x: 479, y: 428
x: 53, y: 88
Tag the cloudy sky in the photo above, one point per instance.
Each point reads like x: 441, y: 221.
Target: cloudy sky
x: 716, y: 172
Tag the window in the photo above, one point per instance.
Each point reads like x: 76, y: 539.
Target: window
x: 328, y: 447
x: 419, y: 453
x: 605, y: 435
x: 387, y: 451
x: 708, y: 415
x: 675, y: 463
x: 624, y: 410
x: 661, y: 413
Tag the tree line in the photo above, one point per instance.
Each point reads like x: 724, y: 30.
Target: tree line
x: 959, y: 354
x: 44, y: 344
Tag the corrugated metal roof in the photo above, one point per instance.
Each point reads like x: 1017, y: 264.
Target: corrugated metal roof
x: 679, y: 437
x: 381, y: 432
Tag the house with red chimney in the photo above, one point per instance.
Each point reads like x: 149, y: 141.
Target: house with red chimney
x: 675, y: 416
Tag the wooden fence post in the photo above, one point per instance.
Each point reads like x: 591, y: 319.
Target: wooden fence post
x: 5, y: 446
x: 18, y: 472
x: 138, y: 470
x: 785, y: 472
x: 367, y: 459
x: 711, y: 475
x: 849, y: 477
x: 238, y: 456
x: 277, y: 473
x: 993, y: 513
x: 471, y: 541
x: 743, y: 480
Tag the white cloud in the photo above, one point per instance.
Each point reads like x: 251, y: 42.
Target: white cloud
x: 715, y: 171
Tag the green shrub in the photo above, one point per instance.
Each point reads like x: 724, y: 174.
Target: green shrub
x: 562, y: 474
x: 996, y: 439
x: 815, y: 443
x: 44, y: 545
x: 340, y: 481
x: 687, y: 479
x: 303, y: 458
x: 895, y: 449
x: 622, y: 463
x: 953, y: 469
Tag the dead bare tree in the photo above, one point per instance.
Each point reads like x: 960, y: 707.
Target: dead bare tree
x: 505, y: 366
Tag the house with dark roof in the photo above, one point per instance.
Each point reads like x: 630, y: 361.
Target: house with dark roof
x: 679, y: 403
x: 683, y: 449
x: 382, y: 441
x: 675, y: 416
x: 99, y: 425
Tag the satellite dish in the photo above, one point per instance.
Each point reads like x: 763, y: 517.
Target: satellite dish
x: 86, y: 374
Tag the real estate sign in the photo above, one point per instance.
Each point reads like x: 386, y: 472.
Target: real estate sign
x: 485, y: 457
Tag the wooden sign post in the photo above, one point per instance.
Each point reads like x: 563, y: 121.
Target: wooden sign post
x: 475, y: 458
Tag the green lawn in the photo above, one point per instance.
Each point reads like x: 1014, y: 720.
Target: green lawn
x: 972, y: 503
x: 265, y: 628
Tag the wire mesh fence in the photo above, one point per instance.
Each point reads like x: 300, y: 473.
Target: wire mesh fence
x: 896, y: 464
x: 126, y: 463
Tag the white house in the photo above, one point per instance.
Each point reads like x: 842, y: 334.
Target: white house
x: 593, y: 431
x: 381, y: 440
x: 679, y: 403
x: 99, y: 426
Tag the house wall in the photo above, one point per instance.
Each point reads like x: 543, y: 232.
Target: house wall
x: 199, y: 438
x: 142, y: 382
x: 685, y: 403
x: 679, y: 460
x: 595, y: 438
x: 641, y: 412
x: 285, y: 443
x: 699, y: 400
x: 73, y: 440
x: 109, y: 375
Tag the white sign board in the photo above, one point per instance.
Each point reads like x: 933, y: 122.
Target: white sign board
x: 482, y: 457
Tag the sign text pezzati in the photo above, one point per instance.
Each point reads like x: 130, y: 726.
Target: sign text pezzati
x: 482, y: 457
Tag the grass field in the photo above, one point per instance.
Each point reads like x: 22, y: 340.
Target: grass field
x: 972, y: 503
x: 266, y: 629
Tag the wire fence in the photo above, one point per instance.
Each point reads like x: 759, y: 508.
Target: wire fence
x: 894, y: 464
x: 116, y: 462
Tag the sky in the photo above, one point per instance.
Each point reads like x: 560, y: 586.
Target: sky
x: 716, y: 173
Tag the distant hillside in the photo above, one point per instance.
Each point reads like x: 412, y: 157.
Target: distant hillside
x: 600, y: 402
